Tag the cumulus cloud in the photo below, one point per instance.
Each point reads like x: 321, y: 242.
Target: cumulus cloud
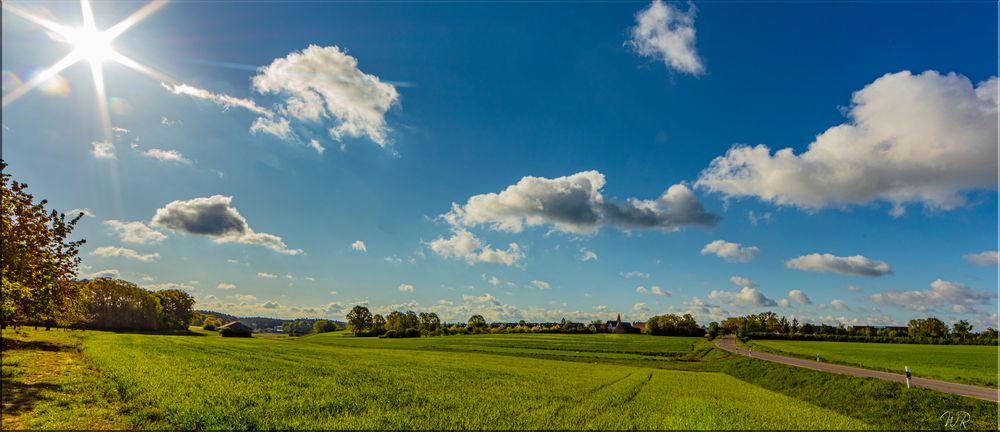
x: 653, y: 290
x: 266, y: 275
x: 984, y: 258
x: 540, y: 284
x: 215, y: 218
x: 135, y: 232
x: 77, y: 211
x: 639, y: 307
x: 742, y: 281
x: 406, y: 288
x: 103, y: 150
x: 114, y: 251
x: 852, y: 288
x: 321, y: 83
x: 106, y: 273
x: 634, y: 274
x: 575, y: 204
x: 799, y: 296
x: 857, y: 265
x: 270, y: 305
x: 359, y: 246
x: 168, y: 285
x: 166, y: 155
x: 730, y: 251
x: 925, y: 138
x: 465, y: 246
x: 839, y: 304
x: 745, y: 296
x: 941, y: 294
x: 224, y: 286
x: 587, y: 255
x: 666, y: 33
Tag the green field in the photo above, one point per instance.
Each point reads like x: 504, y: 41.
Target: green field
x: 336, y: 381
x: 969, y: 364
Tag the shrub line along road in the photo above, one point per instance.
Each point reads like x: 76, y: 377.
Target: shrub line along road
x: 728, y: 343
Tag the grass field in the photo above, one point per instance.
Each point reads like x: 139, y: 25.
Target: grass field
x: 958, y: 363
x: 336, y: 381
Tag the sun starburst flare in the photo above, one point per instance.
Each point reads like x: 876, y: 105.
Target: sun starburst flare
x: 91, y: 45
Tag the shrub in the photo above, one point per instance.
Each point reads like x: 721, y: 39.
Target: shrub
x: 411, y: 332
x: 391, y: 334
x: 209, y: 327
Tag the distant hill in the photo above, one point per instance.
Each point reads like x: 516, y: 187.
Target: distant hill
x: 258, y: 323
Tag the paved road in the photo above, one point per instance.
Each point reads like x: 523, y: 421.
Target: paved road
x: 728, y: 343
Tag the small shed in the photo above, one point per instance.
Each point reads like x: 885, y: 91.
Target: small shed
x: 235, y: 329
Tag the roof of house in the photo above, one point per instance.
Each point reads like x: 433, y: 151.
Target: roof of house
x: 236, y: 325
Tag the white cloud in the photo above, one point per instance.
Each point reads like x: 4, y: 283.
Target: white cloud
x: 799, y: 297
x: 540, y: 284
x: 168, y: 285
x: 281, y: 128
x: 106, y: 273
x: 941, y: 294
x: 224, y: 286
x: 857, y: 265
x: 984, y: 258
x: 745, y: 296
x: 333, y: 293
x: 135, y: 232
x: 75, y: 212
x: 406, y: 288
x: 666, y: 33
x: 601, y: 308
x: 730, y: 251
x: 166, y: 155
x: 638, y: 307
x: 575, y: 204
x: 215, y: 218
x: 839, y: 304
x: 924, y: 138
x: 587, y: 255
x: 634, y: 274
x: 465, y: 246
x: 266, y: 275
x: 325, y: 83
x: 113, y: 251
x: 223, y: 100
x: 317, y: 146
x: 742, y: 281
x: 359, y: 246
x: 755, y: 219
x: 653, y: 290
x: 103, y: 150
x: 852, y: 288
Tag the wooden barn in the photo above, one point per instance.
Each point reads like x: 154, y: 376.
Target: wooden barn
x: 235, y: 329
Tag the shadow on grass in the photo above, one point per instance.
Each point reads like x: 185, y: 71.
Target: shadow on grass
x: 16, y: 344
x: 18, y: 397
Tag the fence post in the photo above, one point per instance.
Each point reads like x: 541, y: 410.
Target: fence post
x: 909, y: 380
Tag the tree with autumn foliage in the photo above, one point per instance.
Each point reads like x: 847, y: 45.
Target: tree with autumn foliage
x: 39, y: 261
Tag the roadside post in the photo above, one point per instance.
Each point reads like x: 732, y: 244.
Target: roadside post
x: 909, y: 380
x: 817, y: 357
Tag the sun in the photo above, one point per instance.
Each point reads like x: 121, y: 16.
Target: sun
x: 91, y: 45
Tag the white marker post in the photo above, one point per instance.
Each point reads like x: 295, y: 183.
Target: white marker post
x: 909, y: 380
x: 817, y: 357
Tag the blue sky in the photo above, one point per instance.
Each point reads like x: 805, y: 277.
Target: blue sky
x: 616, y: 132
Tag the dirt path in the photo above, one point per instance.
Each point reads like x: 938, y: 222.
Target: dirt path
x: 728, y: 343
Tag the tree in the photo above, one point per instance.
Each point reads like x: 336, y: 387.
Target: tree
x: 429, y: 322
x: 962, y: 329
x: 477, y: 322
x: 378, y: 323
x: 175, y: 308
x: 930, y: 327
x: 713, y: 330
x: 359, y: 320
x: 38, y: 261
x: 323, y: 326
x: 113, y: 304
x: 395, y: 321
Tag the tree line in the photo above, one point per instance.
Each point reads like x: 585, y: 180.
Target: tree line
x: 38, y: 275
x: 931, y: 330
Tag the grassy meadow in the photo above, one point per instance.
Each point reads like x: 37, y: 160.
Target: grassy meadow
x: 969, y: 364
x: 337, y: 381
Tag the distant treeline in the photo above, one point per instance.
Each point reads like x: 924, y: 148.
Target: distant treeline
x: 113, y: 304
x: 673, y: 325
x: 295, y: 327
x: 768, y: 325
